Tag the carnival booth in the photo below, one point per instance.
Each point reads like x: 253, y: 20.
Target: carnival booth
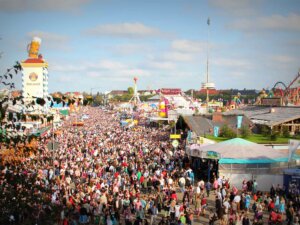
x: 239, y: 159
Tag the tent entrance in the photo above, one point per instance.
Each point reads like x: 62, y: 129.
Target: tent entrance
x: 205, y: 169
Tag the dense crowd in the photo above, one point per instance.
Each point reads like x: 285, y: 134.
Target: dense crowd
x: 103, y: 173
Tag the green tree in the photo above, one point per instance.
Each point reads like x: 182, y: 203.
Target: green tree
x: 98, y: 100
x: 274, y: 136
x: 130, y: 90
x: 245, y: 131
x: 265, y: 131
x: 285, y: 132
x: 227, y: 132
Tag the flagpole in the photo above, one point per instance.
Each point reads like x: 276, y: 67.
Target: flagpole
x: 207, y: 72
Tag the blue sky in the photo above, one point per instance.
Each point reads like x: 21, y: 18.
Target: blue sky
x: 101, y: 45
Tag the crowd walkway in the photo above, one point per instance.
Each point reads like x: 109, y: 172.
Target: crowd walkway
x: 103, y: 173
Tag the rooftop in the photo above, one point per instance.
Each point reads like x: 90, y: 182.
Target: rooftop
x: 270, y: 116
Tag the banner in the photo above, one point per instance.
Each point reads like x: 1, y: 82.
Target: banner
x: 239, y: 121
x: 216, y: 131
x: 293, y: 145
x: 189, y: 136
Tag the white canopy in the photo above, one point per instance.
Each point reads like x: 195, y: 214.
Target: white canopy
x: 238, y: 150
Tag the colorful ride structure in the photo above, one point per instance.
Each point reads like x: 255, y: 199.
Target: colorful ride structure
x: 289, y: 94
x: 163, y: 108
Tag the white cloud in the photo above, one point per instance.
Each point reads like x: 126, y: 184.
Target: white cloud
x: 160, y: 65
x: 102, y: 69
x: 41, y: 5
x: 237, y: 7
x: 127, y: 49
x: 273, y: 22
x: 127, y: 30
x: 109, y: 65
x: 48, y: 36
x: 66, y: 68
x: 236, y: 74
x: 136, y: 73
x: 51, y: 40
x: 118, y: 74
x: 189, y: 46
x: 283, y: 59
x: 65, y: 79
x: 227, y: 62
x: 178, y: 56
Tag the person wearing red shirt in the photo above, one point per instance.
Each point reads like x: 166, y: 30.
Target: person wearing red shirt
x: 142, y: 179
x: 271, y: 206
x: 174, y: 196
x: 203, y: 205
x: 116, y: 174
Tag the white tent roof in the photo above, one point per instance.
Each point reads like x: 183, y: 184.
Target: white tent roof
x: 238, y: 150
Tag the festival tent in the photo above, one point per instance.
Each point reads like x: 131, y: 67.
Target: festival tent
x: 239, y: 159
x: 241, y: 151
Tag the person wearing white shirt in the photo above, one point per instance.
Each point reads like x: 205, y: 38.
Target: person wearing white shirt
x: 220, y: 182
x: 218, y: 194
x: 223, y: 192
x: 146, y: 173
x: 170, y: 181
x: 182, y: 183
x: 197, y: 191
x: 237, y: 200
x: 226, y: 205
x: 177, y: 211
x: 201, y: 184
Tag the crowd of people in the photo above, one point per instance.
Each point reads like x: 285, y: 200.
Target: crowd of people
x: 234, y: 206
x: 103, y: 173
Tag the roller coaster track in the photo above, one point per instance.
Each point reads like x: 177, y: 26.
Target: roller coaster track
x: 286, y: 91
x: 279, y: 82
x: 296, y: 78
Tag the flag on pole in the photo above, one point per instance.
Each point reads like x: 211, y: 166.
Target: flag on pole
x: 216, y: 131
x: 239, y: 122
x: 189, y: 136
x: 293, y: 145
x: 208, y: 21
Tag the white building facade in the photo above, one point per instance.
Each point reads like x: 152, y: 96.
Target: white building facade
x: 34, y: 79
